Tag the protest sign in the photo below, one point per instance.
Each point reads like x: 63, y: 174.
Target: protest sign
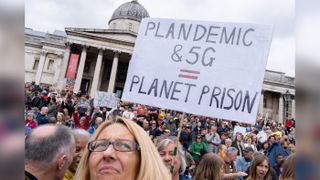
x: 106, y: 99
x: 239, y: 129
x: 262, y: 136
x: 207, y: 68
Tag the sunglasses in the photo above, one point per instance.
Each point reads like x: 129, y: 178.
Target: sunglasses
x: 121, y: 145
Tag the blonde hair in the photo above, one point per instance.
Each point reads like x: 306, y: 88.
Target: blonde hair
x: 63, y: 117
x: 31, y: 114
x: 151, y: 165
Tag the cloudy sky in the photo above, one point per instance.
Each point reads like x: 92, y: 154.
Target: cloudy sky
x: 50, y: 15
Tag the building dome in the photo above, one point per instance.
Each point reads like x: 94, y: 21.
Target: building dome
x: 130, y: 10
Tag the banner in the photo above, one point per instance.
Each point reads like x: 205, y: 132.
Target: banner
x: 106, y: 99
x: 72, y: 68
x: 213, y: 69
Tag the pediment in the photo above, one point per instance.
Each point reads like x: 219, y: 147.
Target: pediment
x: 111, y: 34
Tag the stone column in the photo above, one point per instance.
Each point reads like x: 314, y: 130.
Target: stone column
x: 57, y: 66
x: 40, y: 66
x: 96, y: 75
x: 101, y: 74
x: 293, y: 109
x: 64, y: 65
x: 280, y: 112
x: 274, y: 106
x: 80, y: 69
x: 114, y: 70
x: 261, y: 103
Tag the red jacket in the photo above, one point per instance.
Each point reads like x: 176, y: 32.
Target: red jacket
x: 31, y: 124
x: 77, y: 124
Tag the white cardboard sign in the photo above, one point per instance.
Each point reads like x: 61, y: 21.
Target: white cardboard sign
x: 106, y: 99
x: 207, y: 68
x: 263, y: 137
x: 239, y: 129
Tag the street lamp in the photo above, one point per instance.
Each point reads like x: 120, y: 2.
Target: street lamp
x: 287, y: 99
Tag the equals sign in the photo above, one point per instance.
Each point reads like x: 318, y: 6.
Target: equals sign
x: 189, y: 74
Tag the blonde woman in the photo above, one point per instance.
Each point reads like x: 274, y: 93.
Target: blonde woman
x: 249, y: 143
x: 60, y: 119
x: 131, y: 156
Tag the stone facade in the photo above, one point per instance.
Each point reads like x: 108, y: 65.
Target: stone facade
x: 44, y: 54
x: 272, y: 102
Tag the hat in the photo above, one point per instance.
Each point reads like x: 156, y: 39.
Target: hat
x: 248, y: 149
x: 44, y: 92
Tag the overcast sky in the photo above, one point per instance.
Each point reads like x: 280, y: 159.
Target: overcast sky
x: 50, y: 15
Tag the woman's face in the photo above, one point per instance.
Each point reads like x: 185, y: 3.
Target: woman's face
x: 112, y: 164
x: 199, y: 124
x: 82, y: 121
x: 30, y: 117
x: 228, y: 143
x: 59, y: 117
x: 249, y: 140
x: 265, y: 145
x: 239, y: 137
x: 198, y: 139
x: 262, y: 169
x: 167, y: 157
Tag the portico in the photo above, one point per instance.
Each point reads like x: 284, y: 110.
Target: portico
x: 98, y: 68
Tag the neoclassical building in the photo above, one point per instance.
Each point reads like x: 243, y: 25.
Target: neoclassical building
x: 98, y: 59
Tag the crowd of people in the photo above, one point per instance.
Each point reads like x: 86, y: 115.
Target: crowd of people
x: 67, y: 137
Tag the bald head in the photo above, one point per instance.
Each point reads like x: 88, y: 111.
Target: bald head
x: 82, y: 138
x: 44, y: 110
x: 45, y: 143
x: 44, y: 131
x: 98, y: 121
x: 80, y: 133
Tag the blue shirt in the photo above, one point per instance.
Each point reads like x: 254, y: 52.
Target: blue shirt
x: 42, y: 119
